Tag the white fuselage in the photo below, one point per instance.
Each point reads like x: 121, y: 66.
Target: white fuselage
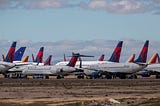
x: 47, y: 70
x: 5, y: 66
x: 153, y: 67
x: 84, y: 63
x: 92, y: 66
x: 126, y: 68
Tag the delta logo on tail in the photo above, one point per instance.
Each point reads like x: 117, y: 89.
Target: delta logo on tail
x: 117, y: 52
x: 143, y: 55
x: 73, y: 59
x: 39, y: 57
x: 101, y: 58
x: 48, y: 61
x: 10, y: 55
x: 19, y: 54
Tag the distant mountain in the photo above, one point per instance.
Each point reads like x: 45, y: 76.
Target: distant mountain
x: 90, y: 47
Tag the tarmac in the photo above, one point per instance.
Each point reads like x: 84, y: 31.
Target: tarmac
x: 84, y: 92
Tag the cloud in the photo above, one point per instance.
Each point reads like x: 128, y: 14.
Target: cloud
x: 119, y: 6
x: 112, y: 6
x: 32, y: 4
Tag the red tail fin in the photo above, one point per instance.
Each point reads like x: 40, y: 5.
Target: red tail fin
x: 144, y: 52
x: 153, y: 59
x: 131, y: 59
x: 73, y: 60
x: 48, y: 61
x: 101, y: 58
x: 39, y: 57
x: 25, y: 59
x: 117, y: 52
x: 10, y: 55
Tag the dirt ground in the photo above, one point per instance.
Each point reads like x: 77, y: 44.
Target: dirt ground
x: 76, y: 92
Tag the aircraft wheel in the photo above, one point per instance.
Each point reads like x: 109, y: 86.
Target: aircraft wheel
x: 122, y: 77
x: 89, y: 77
x: 80, y: 77
x: 60, y: 77
x: 109, y: 76
x: 158, y: 76
x: 46, y: 77
x: 133, y: 76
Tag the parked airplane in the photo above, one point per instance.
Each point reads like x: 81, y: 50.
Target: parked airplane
x: 17, y: 55
x: 145, y: 73
x: 115, y: 57
x: 109, y: 70
x: 57, y: 70
x: 39, y: 57
x: 7, y: 63
x: 153, y: 68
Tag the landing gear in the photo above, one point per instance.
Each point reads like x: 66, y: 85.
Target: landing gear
x: 60, y: 76
x: 158, y: 76
x: 106, y: 76
x: 80, y: 77
x: 133, y: 76
x: 89, y: 77
x: 122, y: 76
x: 13, y: 75
x: 40, y: 76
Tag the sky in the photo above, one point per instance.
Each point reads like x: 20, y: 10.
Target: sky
x: 91, y: 27
x: 58, y: 20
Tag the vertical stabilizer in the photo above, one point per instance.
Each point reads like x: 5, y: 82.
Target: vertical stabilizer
x: 19, y: 54
x: 73, y: 59
x: 153, y: 59
x: 144, y: 52
x: 131, y: 59
x: 48, y: 61
x: 10, y: 55
x: 39, y: 57
x: 25, y: 59
x: 101, y: 58
x: 116, y: 53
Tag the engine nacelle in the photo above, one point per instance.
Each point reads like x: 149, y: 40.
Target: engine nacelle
x: 95, y: 74
x: 145, y: 74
